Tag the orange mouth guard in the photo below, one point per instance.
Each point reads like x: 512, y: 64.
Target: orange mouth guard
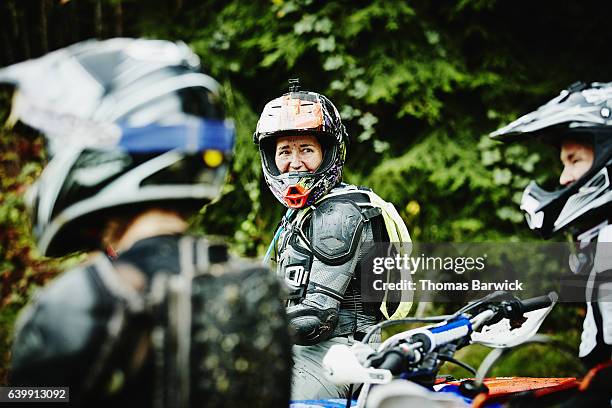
x: 296, y: 196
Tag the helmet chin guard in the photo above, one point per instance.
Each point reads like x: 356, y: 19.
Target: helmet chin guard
x: 580, y: 205
x: 296, y: 196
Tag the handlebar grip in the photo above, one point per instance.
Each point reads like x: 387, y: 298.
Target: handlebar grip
x: 392, y: 362
x: 539, y: 302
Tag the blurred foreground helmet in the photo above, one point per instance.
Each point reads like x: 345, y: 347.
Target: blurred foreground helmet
x: 583, y: 113
x: 301, y: 113
x: 130, y: 123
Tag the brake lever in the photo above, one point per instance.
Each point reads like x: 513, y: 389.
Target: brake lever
x: 483, y: 303
x: 509, y: 309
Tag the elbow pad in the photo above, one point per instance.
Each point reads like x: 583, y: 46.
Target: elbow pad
x: 311, y: 325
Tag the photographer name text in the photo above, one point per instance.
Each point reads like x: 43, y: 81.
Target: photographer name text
x: 428, y: 285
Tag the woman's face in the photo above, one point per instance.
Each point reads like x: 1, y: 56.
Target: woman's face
x: 298, y: 153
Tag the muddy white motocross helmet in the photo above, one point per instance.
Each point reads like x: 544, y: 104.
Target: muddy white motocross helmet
x: 301, y: 113
x: 581, y: 112
x: 130, y: 123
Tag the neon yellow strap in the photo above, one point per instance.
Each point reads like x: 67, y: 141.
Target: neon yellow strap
x: 398, y: 232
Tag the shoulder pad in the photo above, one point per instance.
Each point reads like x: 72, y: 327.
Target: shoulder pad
x: 335, y: 230
x: 348, y: 192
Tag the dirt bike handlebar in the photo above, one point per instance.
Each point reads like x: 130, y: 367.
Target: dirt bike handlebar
x: 458, y: 328
x: 539, y: 302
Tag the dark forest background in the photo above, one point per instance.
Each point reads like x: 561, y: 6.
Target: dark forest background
x: 419, y: 84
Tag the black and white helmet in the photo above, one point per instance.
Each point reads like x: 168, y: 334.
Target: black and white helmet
x: 581, y: 112
x: 129, y: 123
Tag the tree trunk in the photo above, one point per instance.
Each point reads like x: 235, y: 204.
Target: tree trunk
x: 7, y: 21
x: 25, y: 37
x: 9, y: 58
x: 74, y: 22
x: 98, y: 19
x: 118, y: 19
x: 14, y: 20
x: 44, y: 39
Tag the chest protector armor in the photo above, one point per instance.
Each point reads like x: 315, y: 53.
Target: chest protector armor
x: 331, y: 230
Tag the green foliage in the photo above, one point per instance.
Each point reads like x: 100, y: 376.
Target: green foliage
x: 247, y: 219
x: 519, y: 363
x: 20, y: 269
